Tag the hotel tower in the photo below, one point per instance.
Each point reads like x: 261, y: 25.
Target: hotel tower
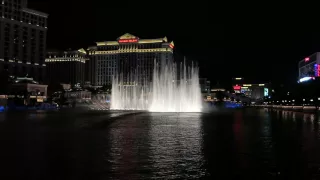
x: 128, y: 55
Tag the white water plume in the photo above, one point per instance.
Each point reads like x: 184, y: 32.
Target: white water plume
x: 169, y: 90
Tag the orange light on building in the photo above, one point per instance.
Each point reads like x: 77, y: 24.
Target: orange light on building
x: 128, y: 40
x: 171, y: 45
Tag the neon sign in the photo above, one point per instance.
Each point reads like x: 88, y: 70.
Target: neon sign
x: 306, y: 59
x: 316, y: 70
x: 128, y: 40
x: 236, y: 87
x: 304, y: 79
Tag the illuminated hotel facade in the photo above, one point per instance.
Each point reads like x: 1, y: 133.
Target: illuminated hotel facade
x: 309, y: 67
x: 66, y: 67
x: 23, y: 35
x: 127, y: 56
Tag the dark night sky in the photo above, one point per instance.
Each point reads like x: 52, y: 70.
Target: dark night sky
x: 261, y: 43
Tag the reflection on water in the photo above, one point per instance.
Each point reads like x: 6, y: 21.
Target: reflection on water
x: 174, y: 136
x: 244, y: 143
x: 154, y: 144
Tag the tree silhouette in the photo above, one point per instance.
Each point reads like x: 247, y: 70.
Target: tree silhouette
x: 54, y: 87
x: 106, y: 87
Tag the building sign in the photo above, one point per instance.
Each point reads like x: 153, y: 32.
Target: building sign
x: 316, y: 70
x: 128, y: 40
x: 236, y: 87
x: 244, y: 90
x: 304, y: 79
x: 266, y: 92
x: 306, y: 59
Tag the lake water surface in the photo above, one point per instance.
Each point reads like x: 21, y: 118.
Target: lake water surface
x: 241, y: 143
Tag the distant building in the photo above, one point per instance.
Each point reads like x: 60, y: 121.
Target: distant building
x: 204, y: 85
x: 129, y: 56
x: 205, y: 88
x: 26, y: 91
x: 66, y: 67
x: 217, y: 92
x: 252, y: 91
x: 235, y: 83
x: 78, y: 95
x: 23, y: 35
x: 309, y: 67
x: 91, y: 73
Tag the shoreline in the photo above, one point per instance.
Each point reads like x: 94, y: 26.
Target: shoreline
x: 292, y: 108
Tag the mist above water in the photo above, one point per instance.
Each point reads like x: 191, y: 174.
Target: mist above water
x: 170, y: 90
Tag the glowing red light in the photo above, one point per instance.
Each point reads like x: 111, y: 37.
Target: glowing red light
x: 236, y: 87
x: 170, y: 45
x: 128, y: 40
x: 306, y: 59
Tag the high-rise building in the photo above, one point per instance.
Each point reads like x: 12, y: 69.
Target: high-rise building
x: 23, y: 34
x: 309, y: 67
x: 66, y: 66
x: 128, y: 55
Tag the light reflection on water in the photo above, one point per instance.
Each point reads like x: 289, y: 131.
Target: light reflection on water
x: 159, y: 145
x: 222, y: 144
x: 175, y: 136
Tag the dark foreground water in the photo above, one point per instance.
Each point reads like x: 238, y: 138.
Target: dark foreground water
x: 228, y: 144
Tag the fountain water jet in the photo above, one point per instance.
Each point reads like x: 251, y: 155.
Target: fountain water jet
x: 169, y: 91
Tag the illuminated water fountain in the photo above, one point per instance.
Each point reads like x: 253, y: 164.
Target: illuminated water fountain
x: 170, y: 90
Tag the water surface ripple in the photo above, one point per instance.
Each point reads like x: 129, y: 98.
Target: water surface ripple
x: 244, y: 143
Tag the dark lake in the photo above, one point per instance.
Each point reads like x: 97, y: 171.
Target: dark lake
x: 224, y: 144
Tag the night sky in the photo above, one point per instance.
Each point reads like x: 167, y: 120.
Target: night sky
x: 262, y: 44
